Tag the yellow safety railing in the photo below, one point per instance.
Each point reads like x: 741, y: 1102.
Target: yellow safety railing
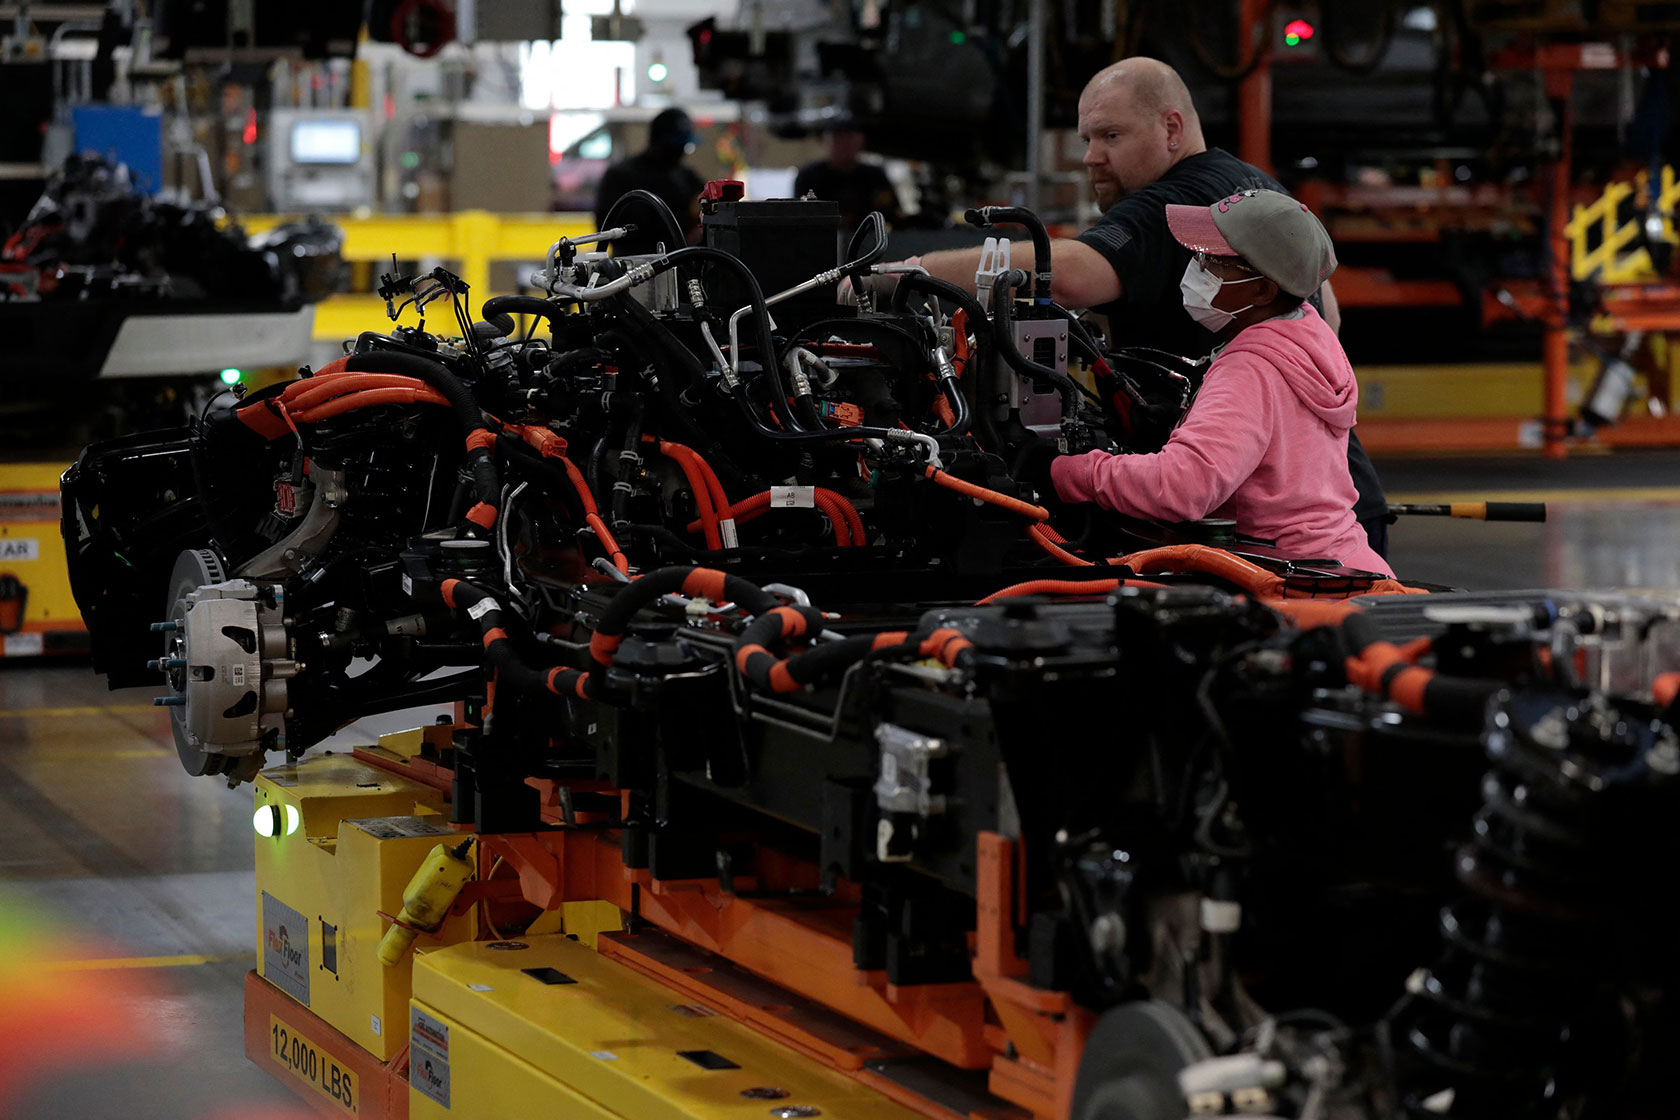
x: 1600, y: 237
x: 469, y: 240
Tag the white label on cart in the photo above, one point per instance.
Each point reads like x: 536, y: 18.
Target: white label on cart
x: 408, y: 584
x: 20, y: 548
x: 25, y: 645
x: 428, y: 1055
x: 793, y: 497
x: 481, y: 608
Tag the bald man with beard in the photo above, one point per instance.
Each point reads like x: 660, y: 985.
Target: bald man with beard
x: 1144, y: 150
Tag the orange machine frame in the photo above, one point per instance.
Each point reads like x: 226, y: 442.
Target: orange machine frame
x: 1028, y: 1039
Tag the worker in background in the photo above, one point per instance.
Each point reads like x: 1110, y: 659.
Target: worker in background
x: 658, y: 169
x: 841, y: 177
x: 1143, y: 151
x: 1266, y: 437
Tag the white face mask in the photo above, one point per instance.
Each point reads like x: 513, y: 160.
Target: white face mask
x: 1198, y: 288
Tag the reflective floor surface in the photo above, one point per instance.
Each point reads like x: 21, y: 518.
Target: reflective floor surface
x: 127, y: 911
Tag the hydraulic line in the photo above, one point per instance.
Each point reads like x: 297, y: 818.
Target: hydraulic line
x: 972, y: 313
x: 522, y: 305
x: 661, y: 210
x: 832, y: 435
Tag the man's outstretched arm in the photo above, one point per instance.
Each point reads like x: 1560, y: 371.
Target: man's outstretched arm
x: 1080, y: 276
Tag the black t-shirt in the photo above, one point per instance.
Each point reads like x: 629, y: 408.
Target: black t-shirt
x: 1132, y: 236
x: 677, y: 186
x: 858, y: 191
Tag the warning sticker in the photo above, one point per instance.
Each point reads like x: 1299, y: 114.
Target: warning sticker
x: 428, y: 1055
x: 28, y: 505
x: 391, y: 828
x: 285, y: 948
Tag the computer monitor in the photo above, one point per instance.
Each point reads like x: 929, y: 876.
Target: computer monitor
x: 326, y: 141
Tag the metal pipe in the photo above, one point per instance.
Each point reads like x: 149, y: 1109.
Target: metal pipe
x: 1035, y: 102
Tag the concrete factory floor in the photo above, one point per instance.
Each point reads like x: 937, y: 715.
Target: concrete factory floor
x: 127, y: 913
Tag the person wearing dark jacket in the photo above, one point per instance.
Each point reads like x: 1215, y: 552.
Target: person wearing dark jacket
x: 1144, y: 152
x: 840, y: 176
x: 659, y: 170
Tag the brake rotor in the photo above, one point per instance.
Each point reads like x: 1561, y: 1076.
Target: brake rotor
x: 193, y: 569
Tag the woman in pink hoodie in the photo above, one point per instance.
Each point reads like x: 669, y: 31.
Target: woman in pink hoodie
x: 1265, y: 442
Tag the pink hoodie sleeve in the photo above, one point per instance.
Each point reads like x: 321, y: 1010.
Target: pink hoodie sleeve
x: 1218, y: 445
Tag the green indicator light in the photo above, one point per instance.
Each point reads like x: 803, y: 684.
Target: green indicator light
x: 231, y: 376
x: 658, y: 72
x: 958, y: 37
x: 411, y: 160
x: 1292, y: 40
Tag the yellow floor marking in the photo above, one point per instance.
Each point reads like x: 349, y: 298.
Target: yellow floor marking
x: 99, y: 964
x: 1580, y: 494
x: 87, y: 710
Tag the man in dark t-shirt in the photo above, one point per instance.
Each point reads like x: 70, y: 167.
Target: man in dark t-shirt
x: 843, y: 178
x: 659, y: 170
x: 1144, y: 150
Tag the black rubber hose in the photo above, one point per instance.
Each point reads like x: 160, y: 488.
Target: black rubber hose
x: 940, y: 289
x: 979, y: 373
x: 521, y: 305
x: 1021, y: 216
x: 874, y: 222
x: 654, y: 339
x: 672, y: 227
x: 827, y: 435
x: 511, y: 669
x: 629, y: 457
x: 1003, y: 322
x: 761, y: 325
